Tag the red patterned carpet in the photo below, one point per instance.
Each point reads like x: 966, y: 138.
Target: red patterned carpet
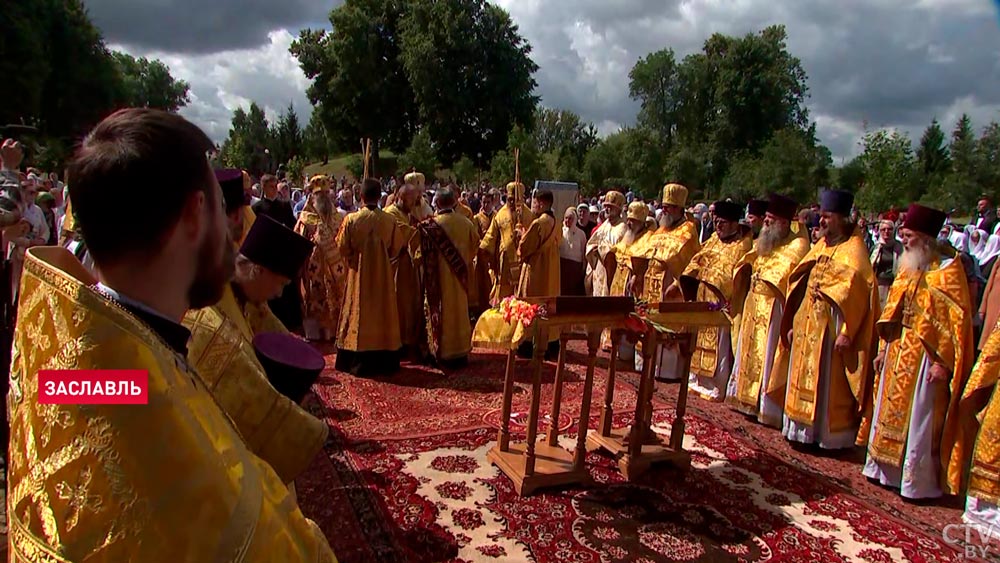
x: 405, y: 478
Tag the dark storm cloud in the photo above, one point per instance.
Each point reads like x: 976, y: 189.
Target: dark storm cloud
x: 202, y: 26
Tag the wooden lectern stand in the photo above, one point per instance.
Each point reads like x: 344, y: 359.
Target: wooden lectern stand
x: 637, y: 446
x: 530, y: 465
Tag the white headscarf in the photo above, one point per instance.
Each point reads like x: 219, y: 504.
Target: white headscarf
x: 960, y: 241
x: 976, y: 249
x: 992, y: 249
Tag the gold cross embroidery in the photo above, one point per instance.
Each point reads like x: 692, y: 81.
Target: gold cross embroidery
x: 79, y: 497
x: 51, y: 416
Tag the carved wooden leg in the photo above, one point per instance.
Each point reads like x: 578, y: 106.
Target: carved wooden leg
x: 553, y: 436
x: 588, y: 390
x: 541, y: 339
x: 508, y: 398
x: 684, y: 345
x: 638, y: 431
x: 607, y: 413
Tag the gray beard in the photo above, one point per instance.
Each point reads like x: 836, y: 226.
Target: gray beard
x: 631, y: 235
x: 915, y: 259
x: 669, y: 222
x: 768, y: 240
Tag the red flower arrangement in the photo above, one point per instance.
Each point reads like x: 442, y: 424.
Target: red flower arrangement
x: 515, y: 310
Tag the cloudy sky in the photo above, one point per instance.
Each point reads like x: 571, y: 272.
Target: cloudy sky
x: 890, y: 63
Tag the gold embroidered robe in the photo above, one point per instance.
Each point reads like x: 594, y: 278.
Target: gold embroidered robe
x: 666, y: 251
x: 171, y: 480
x: 221, y: 350
x: 456, y: 331
x: 482, y: 283
x: 927, y: 313
x: 838, y: 276
x: 539, y: 256
x: 409, y: 295
x: 325, y: 274
x: 984, y: 475
x: 248, y: 218
x: 465, y: 211
x: 369, y: 320
x: 623, y: 257
x: 501, y: 244
x: 712, y: 271
x: 759, y: 283
x: 600, y: 244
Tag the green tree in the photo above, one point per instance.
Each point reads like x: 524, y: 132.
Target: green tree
x: 643, y: 161
x: 420, y: 155
x: 295, y: 169
x: 932, y: 154
x: 531, y: 166
x: 249, y: 141
x: 790, y: 164
x: 287, y: 137
x: 655, y: 82
x: 464, y: 170
x: 314, y: 142
x: 988, y: 159
x: 470, y: 71
x: 147, y: 83
x: 851, y: 176
x: 603, y: 163
x: 890, y: 170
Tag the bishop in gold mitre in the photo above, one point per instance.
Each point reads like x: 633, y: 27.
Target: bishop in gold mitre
x: 221, y: 349
x: 409, y: 294
x: 660, y: 261
x: 502, y: 241
x: 709, y: 278
x: 926, y: 351
x: 601, y: 263
x: 448, y: 243
x: 422, y: 208
x: 829, y: 322
x: 172, y: 479
x: 980, y: 410
x: 760, y: 285
x: 368, y: 342
x: 636, y: 232
x: 324, y: 277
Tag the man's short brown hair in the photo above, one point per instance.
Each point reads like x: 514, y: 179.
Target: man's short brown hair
x: 132, y: 176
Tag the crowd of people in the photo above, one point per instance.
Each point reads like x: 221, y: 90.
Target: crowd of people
x: 844, y: 333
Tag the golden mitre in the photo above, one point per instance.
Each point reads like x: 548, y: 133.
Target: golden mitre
x: 515, y: 190
x: 415, y: 178
x: 675, y: 194
x: 318, y: 182
x: 637, y: 210
x: 616, y: 199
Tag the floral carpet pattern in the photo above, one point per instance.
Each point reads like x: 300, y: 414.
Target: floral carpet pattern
x: 434, y: 496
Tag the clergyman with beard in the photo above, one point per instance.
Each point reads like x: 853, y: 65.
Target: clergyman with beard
x: 601, y: 264
x: 178, y: 450
x: 325, y: 276
x: 760, y: 285
x: 409, y: 295
x: 925, y: 354
x: 756, y: 211
x: 709, y: 278
x: 828, y: 330
x: 624, y: 282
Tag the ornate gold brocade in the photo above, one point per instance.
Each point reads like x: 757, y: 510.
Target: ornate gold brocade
x: 623, y: 257
x: 984, y: 475
x: 925, y: 313
x: 759, y: 283
x: 666, y: 251
x: 276, y: 429
x: 538, y: 254
x: 324, y: 276
x: 409, y: 292
x: 501, y: 243
x: 167, y: 481
x: 838, y: 276
x: 712, y: 267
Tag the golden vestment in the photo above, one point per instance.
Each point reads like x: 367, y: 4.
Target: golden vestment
x: 623, y: 257
x: 925, y: 313
x: 171, y: 480
x: 712, y: 267
x: 759, y: 283
x: 248, y: 218
x: 325, y: 274
x: 501, y: 243
x: 667, y: 251
x: 838, y: 276
x: 984, y: 476
x: 539, y: 256
x: 601, y: 242
x: 456, y: 329
x: 465, y: 211
x: 409, y: 295
x: 367, y: 240
x: 482, y: 282
x: 221, y: 350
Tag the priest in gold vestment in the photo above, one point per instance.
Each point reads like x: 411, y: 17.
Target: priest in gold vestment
x: 368, y: 342
x: 601, y: 264
x: 659, y: 262
x: 760, y: 285
x: 829, y: 320
x: 409, y: 294
x: 325, y: 275
x: 110, y: 483
x: 482, y: 283
x: 619, y: 257
x: 538, y: 253
x: 421, y: 208
x: 709, y: 278
x: 221, y: 349
x: 502, y: 241
x: 448, y: 243
x: 982, y: 502
x: 926, y: 351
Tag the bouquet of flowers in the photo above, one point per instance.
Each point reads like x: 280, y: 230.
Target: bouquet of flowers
x: 515, y: 310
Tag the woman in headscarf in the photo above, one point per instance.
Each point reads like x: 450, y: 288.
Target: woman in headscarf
x: 977, y: 243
